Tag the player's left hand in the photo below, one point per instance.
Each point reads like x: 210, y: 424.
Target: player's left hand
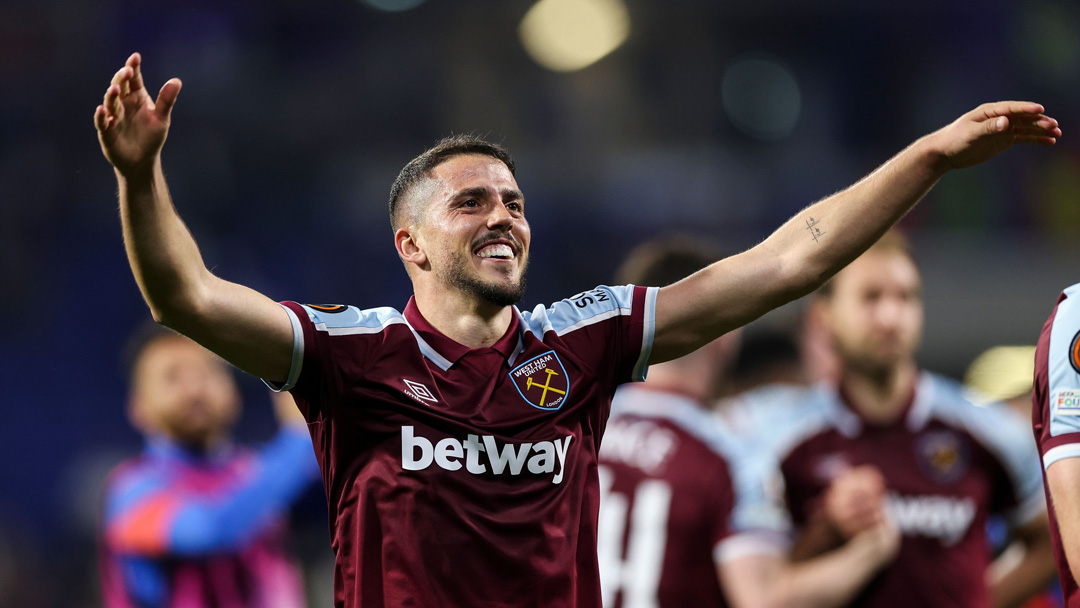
x: 992, y: 128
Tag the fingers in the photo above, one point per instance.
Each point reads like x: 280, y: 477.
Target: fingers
x: 122, y: 79
x: 99, y: 118
x: 1003, y: 108
x: 113, y: 108
x: 135, y: 62
x: 167, y: 98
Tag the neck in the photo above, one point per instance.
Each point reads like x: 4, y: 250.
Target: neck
x: 463, y: 318
x: 880, y: 395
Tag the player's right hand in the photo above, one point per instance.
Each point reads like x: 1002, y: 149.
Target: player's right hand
x: 881, y: 541
x: 131, y: 126
x: 855, y: 500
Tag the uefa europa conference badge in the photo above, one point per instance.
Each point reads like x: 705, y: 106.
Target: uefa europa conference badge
x: 542, y: 381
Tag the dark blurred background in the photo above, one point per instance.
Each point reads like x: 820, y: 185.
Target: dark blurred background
x: 714, y: 118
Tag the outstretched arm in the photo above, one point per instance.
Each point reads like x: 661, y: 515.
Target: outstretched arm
x: 241, y: 325
x: 821, y: 239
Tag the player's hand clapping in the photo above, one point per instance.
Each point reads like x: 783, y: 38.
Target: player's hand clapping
x: 855, y: 501
x: 131, y: 126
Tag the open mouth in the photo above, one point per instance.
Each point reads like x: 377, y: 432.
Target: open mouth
x: 496, y: 251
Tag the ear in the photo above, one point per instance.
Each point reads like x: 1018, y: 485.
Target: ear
x: 409, y: 245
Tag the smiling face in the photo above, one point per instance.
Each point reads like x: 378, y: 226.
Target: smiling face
x: 875, y: 311
x: 471, y: 235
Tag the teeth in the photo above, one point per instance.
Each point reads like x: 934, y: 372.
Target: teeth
x: 496, y: 251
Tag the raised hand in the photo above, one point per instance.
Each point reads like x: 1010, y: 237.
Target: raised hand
x: 131, y: 126
x: 992, y: 128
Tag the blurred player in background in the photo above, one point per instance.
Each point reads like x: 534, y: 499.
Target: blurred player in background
x: 194, y: 521
x: 458, y: 438
x: 1056, y: 423
x: 684, y: 520
x: 911, y: 441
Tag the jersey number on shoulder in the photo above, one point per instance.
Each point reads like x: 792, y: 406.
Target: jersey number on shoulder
x: 643, y: 530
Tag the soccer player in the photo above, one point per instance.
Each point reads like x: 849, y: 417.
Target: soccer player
x: 195, y: 521
x: 684, y: 516
x: 1056, y: 422
x: 458, y: 437
x: 944, y: 463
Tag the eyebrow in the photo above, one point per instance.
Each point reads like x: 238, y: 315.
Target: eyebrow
x: 481, y: 191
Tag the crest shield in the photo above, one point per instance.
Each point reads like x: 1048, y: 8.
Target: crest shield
x: 542, y: 381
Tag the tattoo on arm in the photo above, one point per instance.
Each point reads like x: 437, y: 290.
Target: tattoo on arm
x: 815, y: 232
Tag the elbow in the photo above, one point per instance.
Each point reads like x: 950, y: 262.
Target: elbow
x: 181, y: 308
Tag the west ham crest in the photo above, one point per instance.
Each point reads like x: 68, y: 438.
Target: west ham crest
x: 542, y: 381
x: 944, y: 456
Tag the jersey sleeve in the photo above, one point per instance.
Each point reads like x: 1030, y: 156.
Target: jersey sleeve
x: 611, y: 325
x: 1060, y: 397
x: 1004, y: 432
x: 758, y: 522
x: 153, y: 511
x: 324, y: 339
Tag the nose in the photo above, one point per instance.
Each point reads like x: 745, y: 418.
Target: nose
x: 499, y: 217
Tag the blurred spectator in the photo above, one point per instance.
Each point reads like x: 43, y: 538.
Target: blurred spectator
x: 196, y: 521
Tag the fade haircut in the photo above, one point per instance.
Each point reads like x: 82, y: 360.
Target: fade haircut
x: 420, y: 167
x: 892, y: 241
x: 666, y: 260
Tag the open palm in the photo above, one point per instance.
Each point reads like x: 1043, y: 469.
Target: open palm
x: 131, y: 126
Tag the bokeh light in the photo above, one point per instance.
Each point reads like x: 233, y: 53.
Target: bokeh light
x: 761, y: 97
x: 570, y: 35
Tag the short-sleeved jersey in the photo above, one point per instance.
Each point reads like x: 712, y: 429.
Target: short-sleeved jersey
x: 184, y: 529
x: 673, y: 499
x: 947, y: 463
x: 466, y: 477
x: 1055, y: 410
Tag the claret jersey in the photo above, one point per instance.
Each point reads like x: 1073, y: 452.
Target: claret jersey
x: 466, y: 477
x: 948, y: 464
x: 1056, y: 408
x: 679, y: 497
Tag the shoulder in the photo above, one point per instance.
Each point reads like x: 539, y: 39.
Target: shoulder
x: 340, y: 319
x: 779, y: 417
x: 998, y: 427
x: 584, y: 309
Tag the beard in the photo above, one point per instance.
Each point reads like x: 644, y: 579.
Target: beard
x: 499, y: 294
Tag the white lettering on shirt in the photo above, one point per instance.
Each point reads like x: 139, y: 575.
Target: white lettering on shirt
x: 544, y: 457
x: 943, y: 517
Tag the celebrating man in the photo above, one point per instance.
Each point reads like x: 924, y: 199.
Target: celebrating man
x: 458, y: 439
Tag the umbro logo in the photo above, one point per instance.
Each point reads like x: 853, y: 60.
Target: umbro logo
x: 419, y: 392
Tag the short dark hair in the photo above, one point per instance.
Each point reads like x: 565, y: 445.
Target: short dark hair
x: 448, y: 147
x: 892, y: 241
x: 666, y: 260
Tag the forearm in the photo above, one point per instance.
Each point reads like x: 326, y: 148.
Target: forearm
x: 163, y: 255
x: 832, y: 579
x: 1014, y: 582
x: 824, y: 237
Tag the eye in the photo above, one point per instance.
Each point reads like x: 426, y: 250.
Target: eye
x: 515, y: 206
x: 470, y: 203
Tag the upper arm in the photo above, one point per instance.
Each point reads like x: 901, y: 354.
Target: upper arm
x: 241, y: 325
x: 723, y: 296
x: 1062, y: 478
